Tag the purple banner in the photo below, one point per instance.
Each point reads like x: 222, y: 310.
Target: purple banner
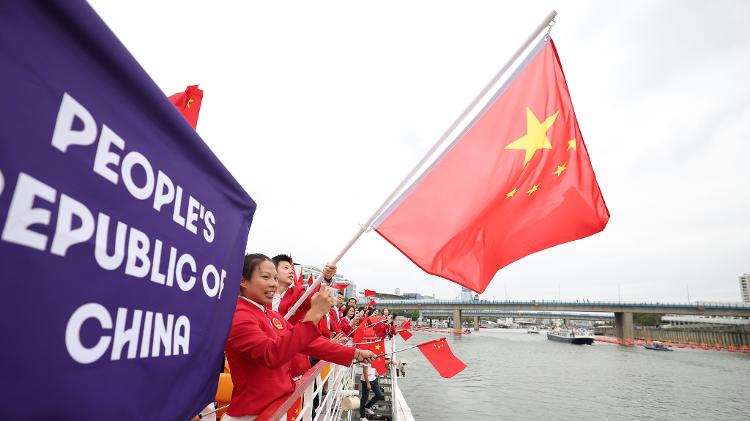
x: 121, y: 234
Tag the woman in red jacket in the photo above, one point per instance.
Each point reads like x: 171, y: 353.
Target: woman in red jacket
x: 346, y: 321
x: 261, y: 343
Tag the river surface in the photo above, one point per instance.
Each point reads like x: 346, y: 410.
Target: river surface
x: 512, y: 375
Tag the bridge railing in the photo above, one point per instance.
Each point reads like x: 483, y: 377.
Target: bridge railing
x: 580, y: 303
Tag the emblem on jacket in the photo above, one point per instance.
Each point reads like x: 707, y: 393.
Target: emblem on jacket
x: 277, y: 324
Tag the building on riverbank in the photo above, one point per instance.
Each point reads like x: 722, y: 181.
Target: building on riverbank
x: 745, y: 287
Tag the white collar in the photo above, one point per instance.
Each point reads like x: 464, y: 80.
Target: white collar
x: 260, y: 306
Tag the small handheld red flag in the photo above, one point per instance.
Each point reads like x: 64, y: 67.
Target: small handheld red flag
x: 369, y: 293
x: 339, y: 287
x: 405, y: 330
x: 299, y: 280
x: 439, y: 354
x: 294, y: 410
x: 310, y: 280
x: 378, y: 348
x: 371, y: 303
x: 189, y: 103
x: 359, y: 333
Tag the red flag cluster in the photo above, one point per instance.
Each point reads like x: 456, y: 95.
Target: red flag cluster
x: 405, y: 330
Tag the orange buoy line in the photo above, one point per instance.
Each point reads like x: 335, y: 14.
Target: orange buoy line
x: 691, y: 345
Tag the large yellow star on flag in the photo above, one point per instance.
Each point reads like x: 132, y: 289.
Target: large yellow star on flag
x: 535, y: 137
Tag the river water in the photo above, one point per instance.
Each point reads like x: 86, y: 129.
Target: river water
x: 512, y: 375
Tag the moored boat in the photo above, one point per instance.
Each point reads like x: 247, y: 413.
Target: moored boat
x: 657, y: 346
x: 570, y: 337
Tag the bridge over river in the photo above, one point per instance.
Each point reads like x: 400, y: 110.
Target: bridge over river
x: 476, y: 314
x: 623, y: 311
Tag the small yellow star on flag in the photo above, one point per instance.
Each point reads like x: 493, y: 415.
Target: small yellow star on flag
x: 533, y: 189
x: 561, y: 168
x: 511, y: 193
x: 572, y: 144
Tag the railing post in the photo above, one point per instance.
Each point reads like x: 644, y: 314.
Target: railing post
x: 394, y: 383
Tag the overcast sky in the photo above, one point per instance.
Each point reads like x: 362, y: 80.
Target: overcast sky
x: 320, y: 108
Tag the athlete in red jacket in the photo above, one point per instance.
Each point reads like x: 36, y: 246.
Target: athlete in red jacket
x: 261, y: 343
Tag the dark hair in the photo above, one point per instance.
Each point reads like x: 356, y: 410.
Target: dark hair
x: 341, y: 293
x: 282, y: 258
x: 252, y: 261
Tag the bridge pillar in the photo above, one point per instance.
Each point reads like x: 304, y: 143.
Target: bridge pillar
x: 457, y: 328
x: 624, y: 327
x: 476, y: 323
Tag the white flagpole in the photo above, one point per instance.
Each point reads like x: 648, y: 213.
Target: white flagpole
x: 362, y: 228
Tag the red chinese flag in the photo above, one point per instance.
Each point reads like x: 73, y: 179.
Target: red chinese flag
x: 518, y: 180
x: 359, y: 333
x: 339, y: 287
x: 371, y: 303
x: 369, y: 293
x: 189, y: 103
x: 310, y: 280
x: 294, y: 410
x: 378, y: 348
x: 405, y: 330
x: 439, y: 354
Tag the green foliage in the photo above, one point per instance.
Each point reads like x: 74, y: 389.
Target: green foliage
x: 414, y: 314
x: 647, y: 319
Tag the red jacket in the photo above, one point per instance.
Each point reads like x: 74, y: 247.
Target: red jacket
x: 288, y: 300
x: 259, y: 350
x: 324, y: 329
x: 333, y: 315
x: 345, y: 326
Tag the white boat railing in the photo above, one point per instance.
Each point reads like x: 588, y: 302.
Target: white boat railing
x: 394, y: 381
x: 399, y: 407
x: 327, y: 383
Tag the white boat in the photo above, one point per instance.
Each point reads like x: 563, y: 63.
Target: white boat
x: 532, y: 329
